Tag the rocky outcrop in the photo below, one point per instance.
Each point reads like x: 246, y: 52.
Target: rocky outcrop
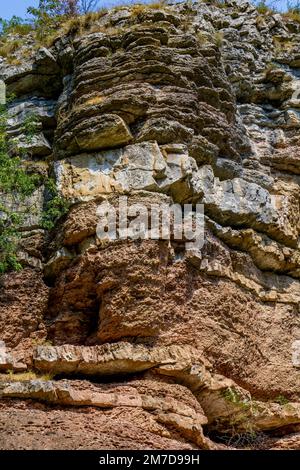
x: 160, y: 345
x: 112, y: 359
x: 224, y: 403
x: 78, y: 428
x: 23, y: 303
x: 165, y: 404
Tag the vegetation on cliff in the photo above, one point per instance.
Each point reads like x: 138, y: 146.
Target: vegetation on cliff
x: 52, y: 14
x: 15, y: 185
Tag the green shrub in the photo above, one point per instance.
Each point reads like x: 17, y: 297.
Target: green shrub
x: 15, y: 25
x: 232, y: 396
x: 16, y: 184
x: 30, y: 126
x: 47, y: 17
x: 263, y: 8
x: 281, y: 400
x: 55, y: 206
x: 8, y: 240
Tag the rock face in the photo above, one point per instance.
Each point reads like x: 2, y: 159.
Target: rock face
x: 159, y: 345
x: 23, y: 304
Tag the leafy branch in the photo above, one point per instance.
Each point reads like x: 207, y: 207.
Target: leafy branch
x: 15, y: 185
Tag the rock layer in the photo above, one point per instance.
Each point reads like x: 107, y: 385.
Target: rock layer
x: 159, y: 345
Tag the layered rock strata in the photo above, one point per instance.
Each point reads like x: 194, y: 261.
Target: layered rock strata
x: 160, y: 346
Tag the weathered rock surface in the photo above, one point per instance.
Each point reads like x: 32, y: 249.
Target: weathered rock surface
x: 169, y: 405
x: 112, y: 359
x: 184, y: 103
x: 224, y: 403
x: 23, y: 303
x: 78, y: 428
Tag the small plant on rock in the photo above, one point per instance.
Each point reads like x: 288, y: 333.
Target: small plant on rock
x: 15, y: 25
x: 55, y: 206
x: 231, y: 395
x: 281, y: 400
x: 263, y: 8
x: 218, y: 38
x: 30, y: 127
x: 9, y: 47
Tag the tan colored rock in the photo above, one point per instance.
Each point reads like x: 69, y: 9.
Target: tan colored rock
x: 174, y: 103
x: 228, y: 406
x: 135, y: 167
x: 111, y: 359
x: 10, y: 361
x: 287, y: 160
x: 23, y: 302
x: 163, y: 404
x: 225, y: 404
x: 108, y: 130
x: 5, y: 357
x: 82, y: 219
x: 291, y: 442
x: 59, y: 261
x: 81, y: 178
x: 267, y: 254
x: 36, y: 426
x: 224, y: 296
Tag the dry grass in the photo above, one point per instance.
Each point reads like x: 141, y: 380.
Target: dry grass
x: 48, y: 40
x: 41, y: 342
x: 10, y: 47
x: 14, y: 61
x: 78, y: 24
x: 109, y: 30
x: 292, y: 15
x: 27, y: 53
x: 248, y: 440
x: 263, y: 9
x: 136, y: 10
x: 281, y: 46
x: 88, y: 20
x: 22, y: 29
x: 24, y: 376
x: 260, y: 20
x: 218, y: 38
x: 219, y: 3
x: 75, y: 26
x: 157, y: 5
x: 72, y: 26
x: 202, y: 37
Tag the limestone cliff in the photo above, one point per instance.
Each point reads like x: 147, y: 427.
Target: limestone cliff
x: 157, y: 347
